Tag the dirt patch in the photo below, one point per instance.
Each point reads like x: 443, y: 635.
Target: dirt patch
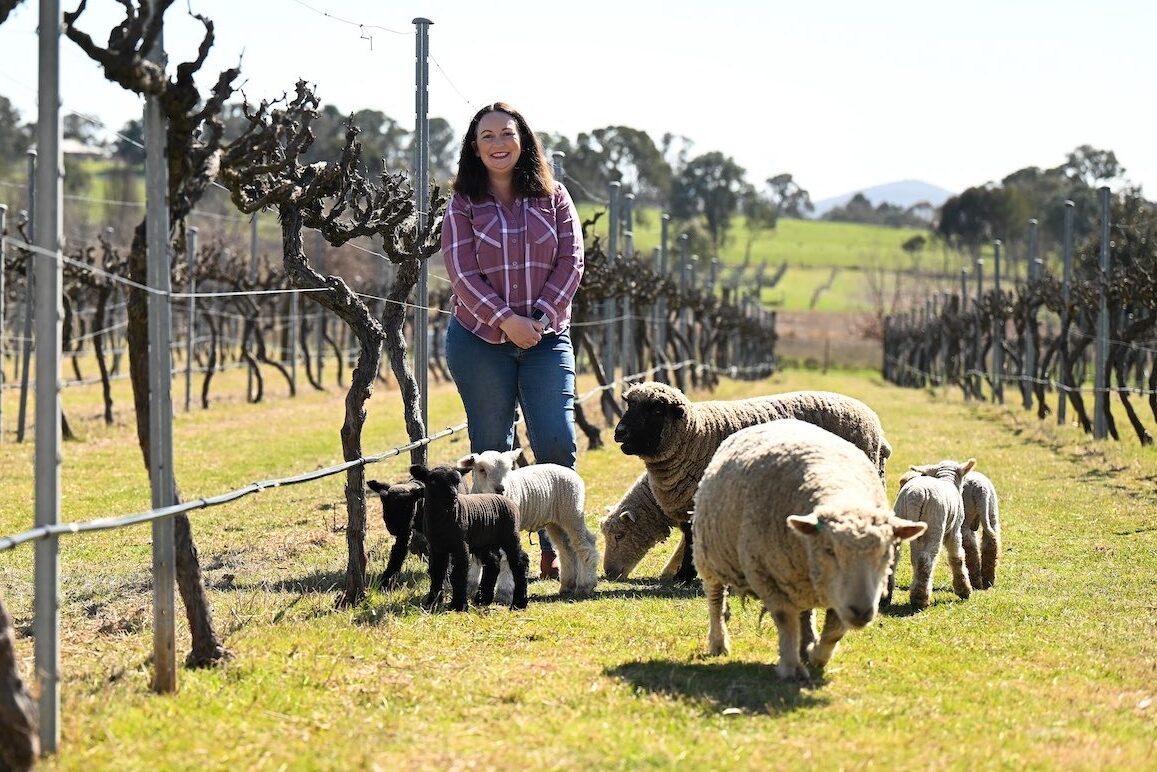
x: 825, y: 338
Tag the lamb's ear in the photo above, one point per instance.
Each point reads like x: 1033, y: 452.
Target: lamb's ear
x: 628, y: 515
x: 419, y: 472
x: 467, y: 462
x: 923, y: 468
x: 906, y: 530
x: 808, y: 525
x: 515, y: 458
x: 376, y: 486
x: 969, y: 465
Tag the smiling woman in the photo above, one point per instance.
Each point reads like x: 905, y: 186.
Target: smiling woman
x: 513, y: 250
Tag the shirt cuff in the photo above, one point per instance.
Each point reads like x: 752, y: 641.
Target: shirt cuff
x: 501, y: 316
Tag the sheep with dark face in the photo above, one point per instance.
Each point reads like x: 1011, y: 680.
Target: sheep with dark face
x: 676, y: 439
x: 402, y: 513
x: 462, y: 524
x: 796, y: 516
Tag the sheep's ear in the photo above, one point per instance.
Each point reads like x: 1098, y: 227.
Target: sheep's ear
x: 969, y: 465
x: 376, y: 486
x: 923, y: 468
x: 808, y: 525
x: 514, y: 457
x: 467, y: 462
x: 419, y: 472
x: 628, y: 515
x: 463, y: 470
x: 906, y: 530
x: 908, y: 477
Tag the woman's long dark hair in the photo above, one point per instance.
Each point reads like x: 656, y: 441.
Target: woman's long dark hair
x: 532, y: 177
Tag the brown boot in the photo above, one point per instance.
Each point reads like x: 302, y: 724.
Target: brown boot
x: 548, y: 565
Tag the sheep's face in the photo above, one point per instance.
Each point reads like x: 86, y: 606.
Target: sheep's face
x: 850, y: 555
x: 649, y: 419
x: 489, y: 469
x: 616, y: 527
x: 398, y: 504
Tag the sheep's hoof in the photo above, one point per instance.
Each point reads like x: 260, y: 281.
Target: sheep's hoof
x: 430, y: 602
x: 797, y: 673
x: 918, y: 604
x: 463, y: 606
x: 520, y: 604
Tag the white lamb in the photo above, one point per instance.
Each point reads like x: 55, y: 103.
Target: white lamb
x: 981, y: 515
x: 796, y: 516
x: 548, y: 496
x: 932, y: 496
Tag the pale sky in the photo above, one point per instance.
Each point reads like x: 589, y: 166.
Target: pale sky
x: 842, y: 94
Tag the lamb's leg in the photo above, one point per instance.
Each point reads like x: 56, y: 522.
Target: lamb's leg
x: 390, y: 578
x: 790, y: 667
x: 890, y: 588
x: 489, y: 562
x: 519, y: 567
x: 458, y: 567
x: 971, y: 551
x: 474, y: 574
x: 718, y: 641
x: 834, y: 630
x: 954, y: 545
x: 922, y: 563
x: 989, y: 551
x: 565, y: 551
x: 504, y: 591
x: 585, y: 550
x: 439, y: 562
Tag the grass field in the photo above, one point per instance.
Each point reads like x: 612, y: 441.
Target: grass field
x: 1054, y: 668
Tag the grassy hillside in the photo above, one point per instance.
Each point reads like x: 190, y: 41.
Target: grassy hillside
x: 1052, y: 668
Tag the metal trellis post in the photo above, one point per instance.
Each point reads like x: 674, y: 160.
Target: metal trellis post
x: 191, y: 322
x: 49, y: 236
x: 1100, y: 399
x: 160, y: 323
x: 1066, y: 293
x: 421, y: 202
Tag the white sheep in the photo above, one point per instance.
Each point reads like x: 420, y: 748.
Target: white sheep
x: 932, y: 496
x: 548, y: 496
x: 676, y: 439
x: 796, y: 516
x: 981, y: 514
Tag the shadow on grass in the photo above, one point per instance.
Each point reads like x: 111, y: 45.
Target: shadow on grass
x: 750, y: 687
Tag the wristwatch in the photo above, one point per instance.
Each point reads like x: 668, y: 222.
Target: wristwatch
x: 540, y: 316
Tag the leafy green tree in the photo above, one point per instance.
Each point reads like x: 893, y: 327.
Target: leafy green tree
x: 1093, y: 167
x: 443, y: 150
x: 788, y: 198
x: 15, y: 137
x: 976, y: 216
x: 710, y: 185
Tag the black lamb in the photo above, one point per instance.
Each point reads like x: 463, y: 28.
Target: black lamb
x: 460, y: 524
x: 402, y: 512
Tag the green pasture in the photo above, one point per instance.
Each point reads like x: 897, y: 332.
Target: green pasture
x: 1051, y: 669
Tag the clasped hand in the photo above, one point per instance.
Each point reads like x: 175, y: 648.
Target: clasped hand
x: 523, y: 331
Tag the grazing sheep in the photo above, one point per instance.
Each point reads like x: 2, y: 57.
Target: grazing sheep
x: 460, y: 524
x: 981, y: 513
x: 794, y: 515
x: 548, y: 496
x: 932, y: 496
x: 632, y: 527
x: 676, y: 438
x: 402, y: 513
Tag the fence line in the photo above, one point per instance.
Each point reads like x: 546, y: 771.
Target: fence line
x: 938, y: 380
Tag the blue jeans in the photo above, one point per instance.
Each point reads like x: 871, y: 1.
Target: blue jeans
x: 493, y: 378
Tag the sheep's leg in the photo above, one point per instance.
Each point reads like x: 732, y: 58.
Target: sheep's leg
x: 675, y: 561
x: 489, y: 562
x: 687, y: 572
x: 718, y: 641
x: 586, y: 549
x: 807, y: 638
x: 834, y: 630
x: 989, y: 552
x: 439, y: 562
x: 790, y: 667
x: 565, y: 551
x: 890, y: 588
x: 954, y: 545
x: 519, y: 567
x: 458, y: 567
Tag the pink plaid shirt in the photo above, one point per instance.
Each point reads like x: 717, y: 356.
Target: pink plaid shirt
x: 505, y: 261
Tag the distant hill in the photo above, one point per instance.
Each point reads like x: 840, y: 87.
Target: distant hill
x: 904, y: 194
